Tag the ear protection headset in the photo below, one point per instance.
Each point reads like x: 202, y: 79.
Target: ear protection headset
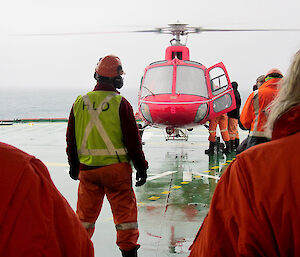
x: 118, y: 82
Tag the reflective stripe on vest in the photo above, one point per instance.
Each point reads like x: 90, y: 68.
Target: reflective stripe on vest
x: 256, y: 112
x: 96, y: 122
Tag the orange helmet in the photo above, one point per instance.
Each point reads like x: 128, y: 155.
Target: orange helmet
x: 273, y: 73
x: 110, y: 66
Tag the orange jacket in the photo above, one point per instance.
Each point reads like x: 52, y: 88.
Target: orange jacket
x: 35, y: 220
x: 255, y: 209
x: 253, y: 115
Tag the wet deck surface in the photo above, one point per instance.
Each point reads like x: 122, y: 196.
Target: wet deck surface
x: 173, y: 202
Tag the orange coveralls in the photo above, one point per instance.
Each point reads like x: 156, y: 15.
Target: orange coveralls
x: 35, y: 219
x: 114, y: 181
x: 222, y: 121
x: 233, y: 129
x: 255, y: 209
x: 253, y: 115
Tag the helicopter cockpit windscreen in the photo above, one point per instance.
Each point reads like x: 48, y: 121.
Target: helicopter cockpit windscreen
x: 158, y: 80
x: 191, y: 80
x: 218, y: 80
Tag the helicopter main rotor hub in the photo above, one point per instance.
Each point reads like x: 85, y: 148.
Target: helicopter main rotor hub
x: 177, y: 30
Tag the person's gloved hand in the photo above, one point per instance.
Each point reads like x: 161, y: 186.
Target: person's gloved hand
x: 141, y: 177
x: 74, y: 172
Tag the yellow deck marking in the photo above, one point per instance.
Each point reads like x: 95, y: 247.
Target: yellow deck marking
x: 229, y: 161
x: 140, y: 204
x: 153, y: 198
x: 176, y: 187
x: 165, y: 192
x: 215, y: 167
x: 184, y: 182
x: 206, y: 171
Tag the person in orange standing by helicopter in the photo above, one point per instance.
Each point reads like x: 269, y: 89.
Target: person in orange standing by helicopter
x: 254, y: 112
x: 243, y: 145
x: 222, y: 121
x: 233, y: 117
x: 102, y: 139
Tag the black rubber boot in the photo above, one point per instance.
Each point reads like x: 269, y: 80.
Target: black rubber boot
x: 236, y: 143
x: 211, y: 149
x: 131, y: 253
x: 227, y: 148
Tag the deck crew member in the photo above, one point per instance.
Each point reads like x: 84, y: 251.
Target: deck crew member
x: 255, y: 208
x: 233, y: 119
x: 254, y: 113
x: 35, y: 219
x: 222, y: 121
x: 102, y: 138
x: 243, y: 145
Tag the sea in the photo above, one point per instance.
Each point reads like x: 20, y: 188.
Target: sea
x: 47, y: 103
x: 34, y: 103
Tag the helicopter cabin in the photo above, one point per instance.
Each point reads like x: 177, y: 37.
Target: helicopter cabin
x: 178, y: 92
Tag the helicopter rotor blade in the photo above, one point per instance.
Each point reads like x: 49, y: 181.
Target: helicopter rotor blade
x: 243, y: 30
x: 173, y: 29
x: 90, y: 33
x: 78, y: 33
x: 187, y: 30
x: 158, y: 30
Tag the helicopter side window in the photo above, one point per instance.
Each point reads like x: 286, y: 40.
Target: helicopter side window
x: 218, y: 81
x: 158, y: 80
x: 222, y: 103
x: 191, y: 80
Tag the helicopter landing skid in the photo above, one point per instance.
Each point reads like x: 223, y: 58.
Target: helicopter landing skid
x: 177, y: 134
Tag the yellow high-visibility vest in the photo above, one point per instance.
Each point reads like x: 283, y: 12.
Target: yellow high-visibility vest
x: 98, y: 133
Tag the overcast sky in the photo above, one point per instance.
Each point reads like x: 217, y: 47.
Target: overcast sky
x: 62, y: 62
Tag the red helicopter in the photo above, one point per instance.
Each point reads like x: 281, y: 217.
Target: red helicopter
x: 178, y: 94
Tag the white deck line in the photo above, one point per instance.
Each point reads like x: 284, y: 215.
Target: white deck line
x: 205, y: 175
x: 161, y: 175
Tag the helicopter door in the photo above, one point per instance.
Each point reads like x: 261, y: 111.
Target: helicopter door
x: 220, y: 91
